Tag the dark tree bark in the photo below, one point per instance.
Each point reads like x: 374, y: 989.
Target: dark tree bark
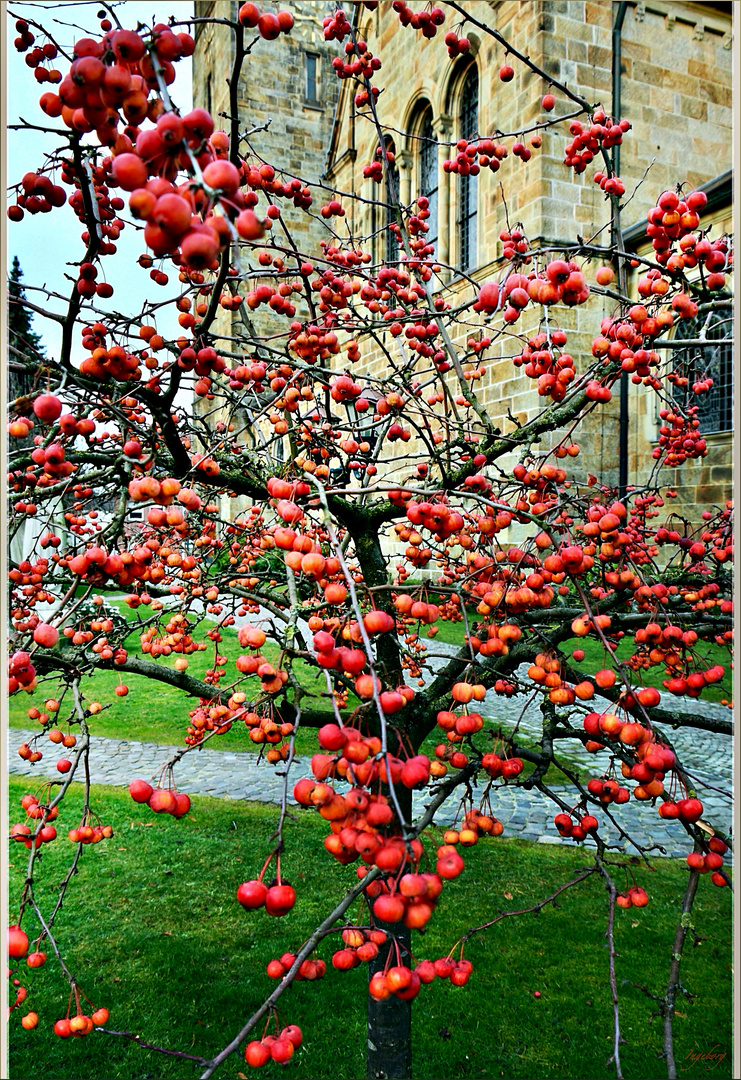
x: 389, y: 1039
x: 669, y: 1002
x: 389, y: 1044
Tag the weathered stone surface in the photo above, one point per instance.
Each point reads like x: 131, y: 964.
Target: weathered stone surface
x: 674, y: 86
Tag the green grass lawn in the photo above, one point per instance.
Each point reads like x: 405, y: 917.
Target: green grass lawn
x: 151, y: 929
x: 156, y: 712
x: 596, y: 657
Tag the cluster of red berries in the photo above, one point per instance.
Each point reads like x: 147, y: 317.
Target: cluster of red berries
x: 209, y: 717
x: 514, y: 243
x: 441, y: 520
x: 278, y: 899
x: 115, y: 73
x: 203, y: 361
x: 52, y: 460
x: 363, y: 66
x: 458, y: 971
x: 333, y: 290
x: 35, y: 811
x: 611, y: 185
x: 553, y: 374
x: 336, y: 27
x: 420, y: 337
x: 573, y: 829
x: 684, y: 306
x: 21, y: 672
x: 362, y: 98
x: 702, y: 386
x: 597, y: 391
x: 80, y: 1024
x: 25, y: 752
x: 634, y: 897
x: 471, y: 157
x: 679, y: 438
x: 25, y: 38
x: 412, y: 897
x: 426, y: 21
x: 160, y: 800
x: 333, y: 208
x: 688, y: 811
x: 416, y: 610
x: 328, y: 655
x: 562, y: 282
x: 374, y: 171
x: 36, y: 57
x: 399, y: 980
x: 621, y: 339
x: 456, y: 46
x: 279, y: 1048
x: 269, y: 25
x: 344, y: 388
x: 602, y: 134
x: 101, y: 81
x: 44, y: 633
x: 474, y: 826
x: 607, y: 790
x: 405, y: 982
x: 263, y: 729
x: 85, y: 833
x: 38, y: 195
x: 507, y: 767
x: 361, y: 946
x: 247, y: 375
x: 358, y: 759
x: 673, y: 217
x: 360, y: 822
x: 694, y: 683
x: 715, y: 257
x: 106, y: 362
x: 571, y: 559
x: 711, y: 862
x: 308, y: 971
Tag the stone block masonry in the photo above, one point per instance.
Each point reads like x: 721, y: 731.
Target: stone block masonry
x: 676, y: 92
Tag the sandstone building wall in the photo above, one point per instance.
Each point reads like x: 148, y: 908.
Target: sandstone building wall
x: 675, y: 90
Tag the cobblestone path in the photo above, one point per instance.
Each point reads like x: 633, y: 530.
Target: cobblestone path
x: 526, y: 814
x: 223, y: 774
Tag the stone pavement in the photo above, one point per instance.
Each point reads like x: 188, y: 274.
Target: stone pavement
x: 714, y: 752
x: 224, y: 774
x: 532, y: 819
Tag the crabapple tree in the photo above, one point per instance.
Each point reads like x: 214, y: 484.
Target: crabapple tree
x: 306, y: 456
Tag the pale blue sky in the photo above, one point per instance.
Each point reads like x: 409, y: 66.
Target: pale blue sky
x: 46, y: 242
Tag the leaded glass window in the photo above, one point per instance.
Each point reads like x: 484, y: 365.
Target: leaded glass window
x: 714, y: 361
x: 428, y: 173
x: 391, y: 249
x: 468, y: 190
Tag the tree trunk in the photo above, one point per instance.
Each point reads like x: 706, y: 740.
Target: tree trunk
x: 389, y: 1052
x: 668, y: 1005
x: 389, y: 1043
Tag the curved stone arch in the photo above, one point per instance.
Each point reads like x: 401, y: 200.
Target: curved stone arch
x: 449, y: 90
x: 418, y: 104
x: 420, y: 158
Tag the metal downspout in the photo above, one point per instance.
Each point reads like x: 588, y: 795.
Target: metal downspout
x: 617, y: 28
